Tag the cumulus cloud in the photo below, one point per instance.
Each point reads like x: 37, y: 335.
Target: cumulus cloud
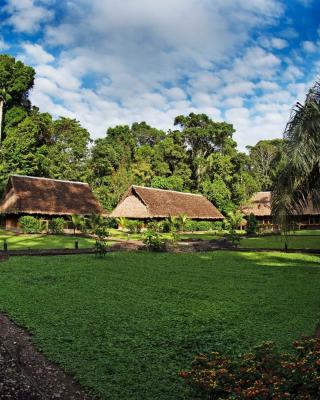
x: 27, y: 15
x: 36, y: 53
x: 133, y: 60
x: 309, y: 47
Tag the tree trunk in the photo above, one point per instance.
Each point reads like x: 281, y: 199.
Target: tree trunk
x: 1, y: 117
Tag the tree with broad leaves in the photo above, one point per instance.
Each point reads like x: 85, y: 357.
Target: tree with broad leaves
x: 16, y: 80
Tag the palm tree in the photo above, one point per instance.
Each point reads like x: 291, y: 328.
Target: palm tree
x: 94, y: 222
x: 182, y: 221
x: 235, y: 219
x: 122, y: 222
x: 77, y: 222
x: 299, y: 182
x: 2, y: 104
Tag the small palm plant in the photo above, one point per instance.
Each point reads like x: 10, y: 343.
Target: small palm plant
x: 235, y: 219
x: 183, y: 219
x: 122, y: 222
x: 94, y: 222
x: 77, y: 222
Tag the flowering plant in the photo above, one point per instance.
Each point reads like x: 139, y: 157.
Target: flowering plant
x: 262, y: 374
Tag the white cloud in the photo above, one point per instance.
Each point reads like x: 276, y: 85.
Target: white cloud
x: 27, y: 15
x: 152, y: 60
x: 309, y: 47
x: 37, y: 54
x: 3, y: 44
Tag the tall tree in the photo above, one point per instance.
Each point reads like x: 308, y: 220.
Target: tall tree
x: 202, y: 137
x: 16, y: 80
x: 267, y: 158
x: 25, y: 149
x: 68, y: 149
x: 299, y: 181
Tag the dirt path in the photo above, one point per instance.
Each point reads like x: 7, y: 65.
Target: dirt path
x: 25, y: 374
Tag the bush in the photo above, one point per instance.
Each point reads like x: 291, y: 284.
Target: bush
x: 156, y: 226
x: 234, y: 237
x: 261, y: 374
x: 134, y: 226
x: 204, y: 225
x: 154, y: 241
x: 56, y: 225
x: 100, y: 246
x: 252, y: 224
x: 199, y: 226
x: 31, y: 224
x: 111, y: 222
x: 217, y: 226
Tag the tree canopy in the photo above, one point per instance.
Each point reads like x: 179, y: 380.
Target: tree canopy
x: 200, y: 155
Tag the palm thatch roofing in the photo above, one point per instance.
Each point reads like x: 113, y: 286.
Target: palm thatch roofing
x: 260, y: 206
x: 143, y: 202
x: 32, y: 195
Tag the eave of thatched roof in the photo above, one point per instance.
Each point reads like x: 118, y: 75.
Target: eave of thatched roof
x: 142, y: 202
x: 33, y: 195
x: 260, y: 206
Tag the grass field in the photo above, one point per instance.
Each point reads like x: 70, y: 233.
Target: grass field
x: 301, y: 240
x: 23, y: 242
x: 125, y: 324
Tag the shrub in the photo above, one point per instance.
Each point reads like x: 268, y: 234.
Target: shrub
x: 234, y: 237
x: 261, y: 374
x: 204, y: 225
x: 31, y: 224
x: 190, y: 226
x: 100, y: 245
x: 154, y: 241
x: 252, y: 224
x: 134, y: 226
x: 56, y: 225
x: 156, y: 226
x: 217, y: 226
x: 111, y: 222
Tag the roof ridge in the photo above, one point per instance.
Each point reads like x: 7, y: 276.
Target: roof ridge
x: 167, y: 190
x: 47, y: 179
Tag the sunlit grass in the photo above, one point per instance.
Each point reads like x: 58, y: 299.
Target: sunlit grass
x: 125, y: 324
x: 37, y: 241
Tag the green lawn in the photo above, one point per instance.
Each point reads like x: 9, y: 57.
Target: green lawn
x: 125, y: 324
x: 38, y: 241
x: 310, y: 240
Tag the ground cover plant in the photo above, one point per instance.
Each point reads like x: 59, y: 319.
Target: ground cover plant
x: 126, y: 324
x: 298, y: 240
x: 264, y: 373
x: 42, y: 241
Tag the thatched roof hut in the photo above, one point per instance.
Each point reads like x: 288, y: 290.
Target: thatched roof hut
x: 42, y: 196
x: 143, y: 203
x: 260, y: 206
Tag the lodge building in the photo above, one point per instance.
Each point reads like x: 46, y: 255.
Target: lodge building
x: 146, y: 203
x: 260, y: 206
x: 46, y: 199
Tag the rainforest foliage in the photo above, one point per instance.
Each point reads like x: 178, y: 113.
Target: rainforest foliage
x: 200, y: 155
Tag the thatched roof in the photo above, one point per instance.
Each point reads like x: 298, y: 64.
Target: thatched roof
x: 143, y: 202
x: 260, y: 206
x: 32, y: 195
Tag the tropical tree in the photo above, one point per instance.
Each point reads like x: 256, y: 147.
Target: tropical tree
x: 298, y: 184
x: 182, y: 220
x: 235, y: 219
x: 78, y: 222
x: 122, y: 222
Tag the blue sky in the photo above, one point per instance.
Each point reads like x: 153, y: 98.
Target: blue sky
x: 107, y: 62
